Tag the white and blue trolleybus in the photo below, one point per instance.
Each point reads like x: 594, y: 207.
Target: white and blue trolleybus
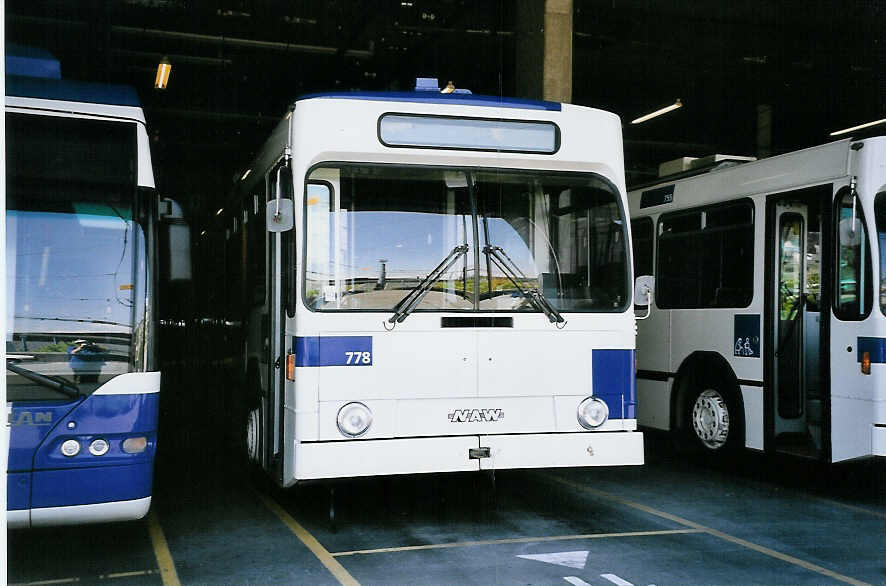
x: 768, y: 320
x: 435, y: 283
x: 81, y: 375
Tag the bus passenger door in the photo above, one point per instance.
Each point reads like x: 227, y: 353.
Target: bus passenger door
x: 279, y: 184
x: 796, y: 386
x: 852, y: 329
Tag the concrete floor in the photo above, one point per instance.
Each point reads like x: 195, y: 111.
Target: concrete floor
x: 673, y: 521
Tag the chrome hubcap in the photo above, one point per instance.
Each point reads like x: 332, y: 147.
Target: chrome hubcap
x: 710, y: 419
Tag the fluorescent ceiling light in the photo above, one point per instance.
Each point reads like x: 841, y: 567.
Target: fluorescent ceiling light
x: 664, y: 110
x: 860, y: 126
x: 245, y: 175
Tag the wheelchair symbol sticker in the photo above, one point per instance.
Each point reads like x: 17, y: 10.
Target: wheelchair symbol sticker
x: 746, y: 334
x: 743, y: 347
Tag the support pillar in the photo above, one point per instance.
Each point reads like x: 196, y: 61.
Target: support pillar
x: 558, y: 51
x: 543, y: 63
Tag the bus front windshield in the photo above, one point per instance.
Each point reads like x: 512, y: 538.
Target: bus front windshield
x: 375, y: 233
x: 880, y: 214
x: 75, y: 256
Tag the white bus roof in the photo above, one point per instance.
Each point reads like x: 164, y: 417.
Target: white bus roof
x: 810, y: 166
x: 345, y: 127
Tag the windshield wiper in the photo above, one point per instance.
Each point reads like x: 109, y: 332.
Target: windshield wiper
x: 61, y: 386
x: 414, y: 297
x: 513, y: 273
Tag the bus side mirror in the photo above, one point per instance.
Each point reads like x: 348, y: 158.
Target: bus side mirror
x: 644, y: 287
x: 280, y: 213
x: 175, y: 242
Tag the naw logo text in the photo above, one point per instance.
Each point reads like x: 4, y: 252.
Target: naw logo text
x: 476, y: 415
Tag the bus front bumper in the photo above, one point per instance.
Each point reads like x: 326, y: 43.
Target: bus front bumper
x: 79, y: 514
x: 380, y: 457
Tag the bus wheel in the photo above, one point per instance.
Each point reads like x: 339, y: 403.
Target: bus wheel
x: 253, y: 427
x: 712, y: 424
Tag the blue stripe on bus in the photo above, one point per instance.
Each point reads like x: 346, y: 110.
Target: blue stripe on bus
x: 86, y: 486
x: 437, y: 98
x: 31, y: 62
x: 71, y: 91
x: 876, y: 347
x: 612, y: 373
x: 333, y: 350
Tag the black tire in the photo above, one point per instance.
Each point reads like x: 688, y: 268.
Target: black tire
x: 248, y: 420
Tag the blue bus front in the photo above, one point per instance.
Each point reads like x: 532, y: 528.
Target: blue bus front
x: 81, y: 376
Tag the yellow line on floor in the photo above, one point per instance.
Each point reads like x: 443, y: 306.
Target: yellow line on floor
x: 714, y: 532
x: 335, y: 568
x: 515, y: 540
x: 855, y: 508
x: 161, y: 551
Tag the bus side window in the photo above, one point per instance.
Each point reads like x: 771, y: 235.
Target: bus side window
x: 880, y: 213
x: 255, y: 251
x: 678, y: 260
x: 853, y: 298
x: 706, y: 257
x: 642, y: 233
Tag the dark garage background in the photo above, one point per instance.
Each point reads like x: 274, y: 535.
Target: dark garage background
x: 816, y: 66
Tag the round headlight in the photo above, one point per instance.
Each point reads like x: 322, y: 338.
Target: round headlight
x: 99, y: 447
x: 592, y: 413
x: 354, y: 419
x: 70, y: 448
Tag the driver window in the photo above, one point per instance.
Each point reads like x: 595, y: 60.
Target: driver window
x: 853, y: 298
x: 880, y: 213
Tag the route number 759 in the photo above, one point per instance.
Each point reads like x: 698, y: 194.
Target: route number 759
x: 358, y: 358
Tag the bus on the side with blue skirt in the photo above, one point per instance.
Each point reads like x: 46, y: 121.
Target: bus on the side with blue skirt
x: 82, y: 219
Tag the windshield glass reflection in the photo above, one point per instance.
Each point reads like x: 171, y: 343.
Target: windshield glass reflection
x: 70, y: 296
x: 75, y: 255
x: 374, y: 233
x: 565, y: 233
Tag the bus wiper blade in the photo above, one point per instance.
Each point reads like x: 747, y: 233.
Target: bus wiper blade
x: 62, y: 387
x: 513, y: 273
x: 408, y: 303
